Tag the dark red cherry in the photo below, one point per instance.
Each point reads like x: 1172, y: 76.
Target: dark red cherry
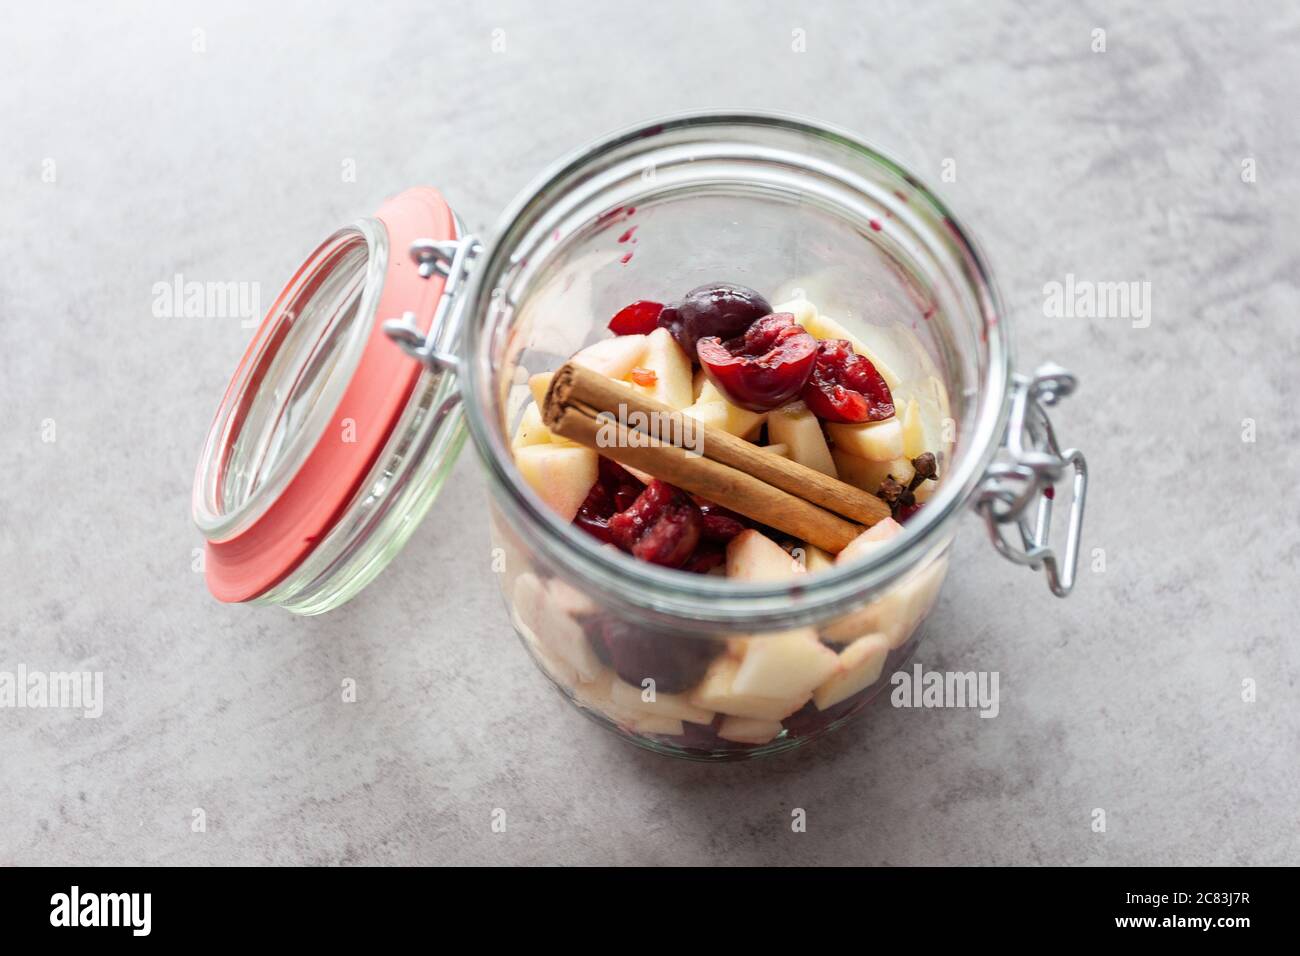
x: 615, y: 490
x: 765, y: 367
x: 720, y: 309
x: 662, y: 526
x: 639, y: 318
x: 674, y: 662
x: 720, y: 524
x: 845, y: 387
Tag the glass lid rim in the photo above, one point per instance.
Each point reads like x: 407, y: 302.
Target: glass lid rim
x: 649, y: 585
x: 218, y: 524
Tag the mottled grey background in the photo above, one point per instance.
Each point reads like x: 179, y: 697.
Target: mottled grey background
x: 226, y: 165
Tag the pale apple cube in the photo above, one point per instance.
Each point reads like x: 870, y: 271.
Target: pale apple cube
x: 860, y: 665
x: 539, y: 384
x: 815, y: 559
x: 797, y: 428
x: 784, y: 666
x: 528, y: 614
x: 661, y: 726
x: 721, y: 415
x: 561, y: 475
x: 897, y: 612
x: 747, y: 730
x: 875, y: 441
x: 908, y: 602
x: 676, y: 706
x: 913, y: 430
x: 570, y: 599
x: 674, y: 380
x: 565, y: 638
x: 595, y: 695
x: 615, y: 357
x: 868, y: 475
x: 705, y: 390
x: 714, y: 692
x: 531, y: 431
x: 870, y: 540
x: 752, y: 556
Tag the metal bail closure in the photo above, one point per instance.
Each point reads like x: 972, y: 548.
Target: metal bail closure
x: 452, y: 260
x: 1030, y: 467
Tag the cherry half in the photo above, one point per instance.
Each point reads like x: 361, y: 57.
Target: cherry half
x: 639, y: 318
x: 719, y: 309
x: 845, y: 387
x: 765, y: 367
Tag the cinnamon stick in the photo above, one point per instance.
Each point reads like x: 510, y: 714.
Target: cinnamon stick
x: 593, y: 410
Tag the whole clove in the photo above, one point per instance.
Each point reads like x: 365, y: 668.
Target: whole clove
x: 902, y: 499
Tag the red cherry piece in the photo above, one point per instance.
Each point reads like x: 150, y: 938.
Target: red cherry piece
x: 845, y: 387
x: 639, y: 318
x: 719, y: 308
x: 720, y: 524
x: 615, y: 490
x: 594, y: 513
x: 705, y: 559
x: 674, y: 662
x: 662, y: 526
x: 906, y: 511
x: 765, y: 367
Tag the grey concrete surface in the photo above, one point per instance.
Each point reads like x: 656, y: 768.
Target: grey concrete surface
x: 129, y: 156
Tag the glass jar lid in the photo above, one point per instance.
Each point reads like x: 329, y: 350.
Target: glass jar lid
x: 310, y: 420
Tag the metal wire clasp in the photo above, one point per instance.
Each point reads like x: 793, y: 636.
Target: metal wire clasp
x: 1031, y: 464
x: 453, y: 259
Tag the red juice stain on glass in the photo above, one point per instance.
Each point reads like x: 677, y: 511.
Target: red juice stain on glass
x: 627, y: 236
x: 875, y: 224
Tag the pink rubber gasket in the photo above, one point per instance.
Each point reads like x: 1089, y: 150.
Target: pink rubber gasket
x: 255, y: 560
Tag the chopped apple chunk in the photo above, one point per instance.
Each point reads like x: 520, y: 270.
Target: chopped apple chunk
x: 562, y: 475
x: 614, y: 357
x: 875, y: 441
x: 673, y: 378
x: 531, y: 431
x: 539, y: 384
x: 724, y: 416
x: 797, y: 428
x: 674, y: 706
x: 715, y: 692
x: 870, y: 540
x: 860, y: 665
x: 747, y: 730
x: 553, y: 633
x: 815, y: 559
x: 913, y: 430
x: 868, y: 475
x: 787, y: 665
x: 663, y: 726
x: 752, y: 556
x: 706, y: 391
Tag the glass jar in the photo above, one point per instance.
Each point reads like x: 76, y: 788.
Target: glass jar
x: 354, y: 397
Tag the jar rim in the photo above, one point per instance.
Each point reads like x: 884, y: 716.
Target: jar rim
x: 706, y: 596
